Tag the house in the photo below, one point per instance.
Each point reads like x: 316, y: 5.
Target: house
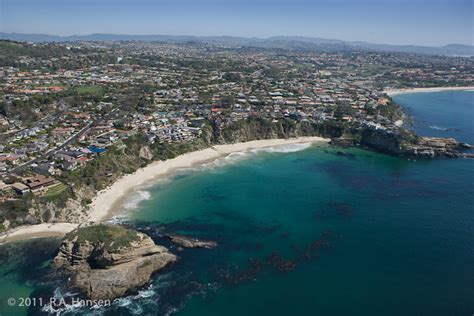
x: 44, y: 168
x: 20, y: 188
x: 39, y: 182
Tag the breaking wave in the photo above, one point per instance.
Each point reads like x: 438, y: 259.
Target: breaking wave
x: 136, y: 198
x: 438, y: 128
x: 131, y: 202
x: 242, y: 155
x: 291, y: 148
x: 133, y: 303
x: 148, y: 298
x: 64, y: 304
x: 226, y: 160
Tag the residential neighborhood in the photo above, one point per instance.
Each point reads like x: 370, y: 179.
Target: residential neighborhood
x: 64, y: 105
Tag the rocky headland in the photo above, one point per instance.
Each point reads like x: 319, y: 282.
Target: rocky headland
x: 103, y: 262
x: 405, y: 144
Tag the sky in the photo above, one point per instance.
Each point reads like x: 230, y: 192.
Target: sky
x: 419, y: 22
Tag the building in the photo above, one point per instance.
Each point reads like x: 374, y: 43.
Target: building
x: 39, y: 182
x: 20, y: 188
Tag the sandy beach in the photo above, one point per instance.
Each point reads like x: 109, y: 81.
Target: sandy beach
x: 392, y: 92
x: 110, y: 199
x: 37, y: 231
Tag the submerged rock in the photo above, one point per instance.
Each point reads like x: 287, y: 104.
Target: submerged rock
x: 188, y: 242
x: 104, y: 262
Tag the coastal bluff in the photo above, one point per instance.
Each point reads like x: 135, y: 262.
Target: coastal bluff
x: 405, y: 143
x: 104, y: 262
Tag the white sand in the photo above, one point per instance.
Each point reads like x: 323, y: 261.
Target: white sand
x: 392, y: 92
x: 37, y: 231
x: 110, y: 199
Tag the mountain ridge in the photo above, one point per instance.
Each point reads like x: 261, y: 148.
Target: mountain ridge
x: 283, y: 42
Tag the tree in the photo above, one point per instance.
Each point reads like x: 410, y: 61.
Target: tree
x: 343, y: 109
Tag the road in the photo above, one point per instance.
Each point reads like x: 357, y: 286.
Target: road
x: 51, y: 152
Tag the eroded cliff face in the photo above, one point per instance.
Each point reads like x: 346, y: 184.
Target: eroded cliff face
x: 146, y: 153
x: 255, y: 129
x: 399, y: 142
x: 382, y: 141
x: 104, y: 262
x: 444, y: 147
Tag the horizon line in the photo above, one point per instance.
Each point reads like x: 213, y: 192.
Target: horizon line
x: 237, y: 36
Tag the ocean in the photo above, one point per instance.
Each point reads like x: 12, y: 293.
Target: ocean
x: 302, y: 230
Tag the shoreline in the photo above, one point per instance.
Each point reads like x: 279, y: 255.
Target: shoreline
x: 110, y: 200
x: 37, y: 231
x: 393, y: 92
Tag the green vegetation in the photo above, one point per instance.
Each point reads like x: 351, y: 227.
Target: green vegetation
x: 392, y: 111
x: 232, y: 76
x: 10, y: 49
x: 112, y: 237
x: 260, y: 128
x: 342, y: 110
x: 15, y: 211
x: 119, y: 160
x: 55, y: 191
x: 42, y: 56
x: 94, y: 90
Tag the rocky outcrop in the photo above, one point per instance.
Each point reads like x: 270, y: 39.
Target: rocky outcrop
x: 259, y: 128
x: 188, y: 242
x: 432, y: 147
x: 405, y: 143
x: 146, y: 153
x: 104, y: 262
x: 343, y: 141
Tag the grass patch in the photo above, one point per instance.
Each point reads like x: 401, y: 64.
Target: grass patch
x: 55, y: 191
x: 96, y: 90
x: 112, y: 237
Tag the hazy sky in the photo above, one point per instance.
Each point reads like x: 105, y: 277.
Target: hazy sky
x: 423, y: 22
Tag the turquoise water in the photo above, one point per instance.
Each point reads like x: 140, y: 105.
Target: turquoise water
x: 305, y: 230
x: 24, y: 272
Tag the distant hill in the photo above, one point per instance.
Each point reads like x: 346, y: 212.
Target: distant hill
x: 283, y: 42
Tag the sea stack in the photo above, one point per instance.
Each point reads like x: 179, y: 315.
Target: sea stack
x: 104, y: 262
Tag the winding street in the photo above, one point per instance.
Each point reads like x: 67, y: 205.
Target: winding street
x: 70, y: 140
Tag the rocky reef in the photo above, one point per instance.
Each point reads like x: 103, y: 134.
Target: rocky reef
x: 103, y: 262
x: 189, y: 242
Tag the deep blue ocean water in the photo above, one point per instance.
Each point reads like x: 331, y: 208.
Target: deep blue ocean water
x: 441, y: 114
x: 303, y: 230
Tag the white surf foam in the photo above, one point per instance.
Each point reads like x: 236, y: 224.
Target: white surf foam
x: 59, y: 308
x: 133, y: 303
x: 131, y: 202
x: 291, y: 148
x: 438, y: 128
x: 239, y: 156
x: 134, y: 199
